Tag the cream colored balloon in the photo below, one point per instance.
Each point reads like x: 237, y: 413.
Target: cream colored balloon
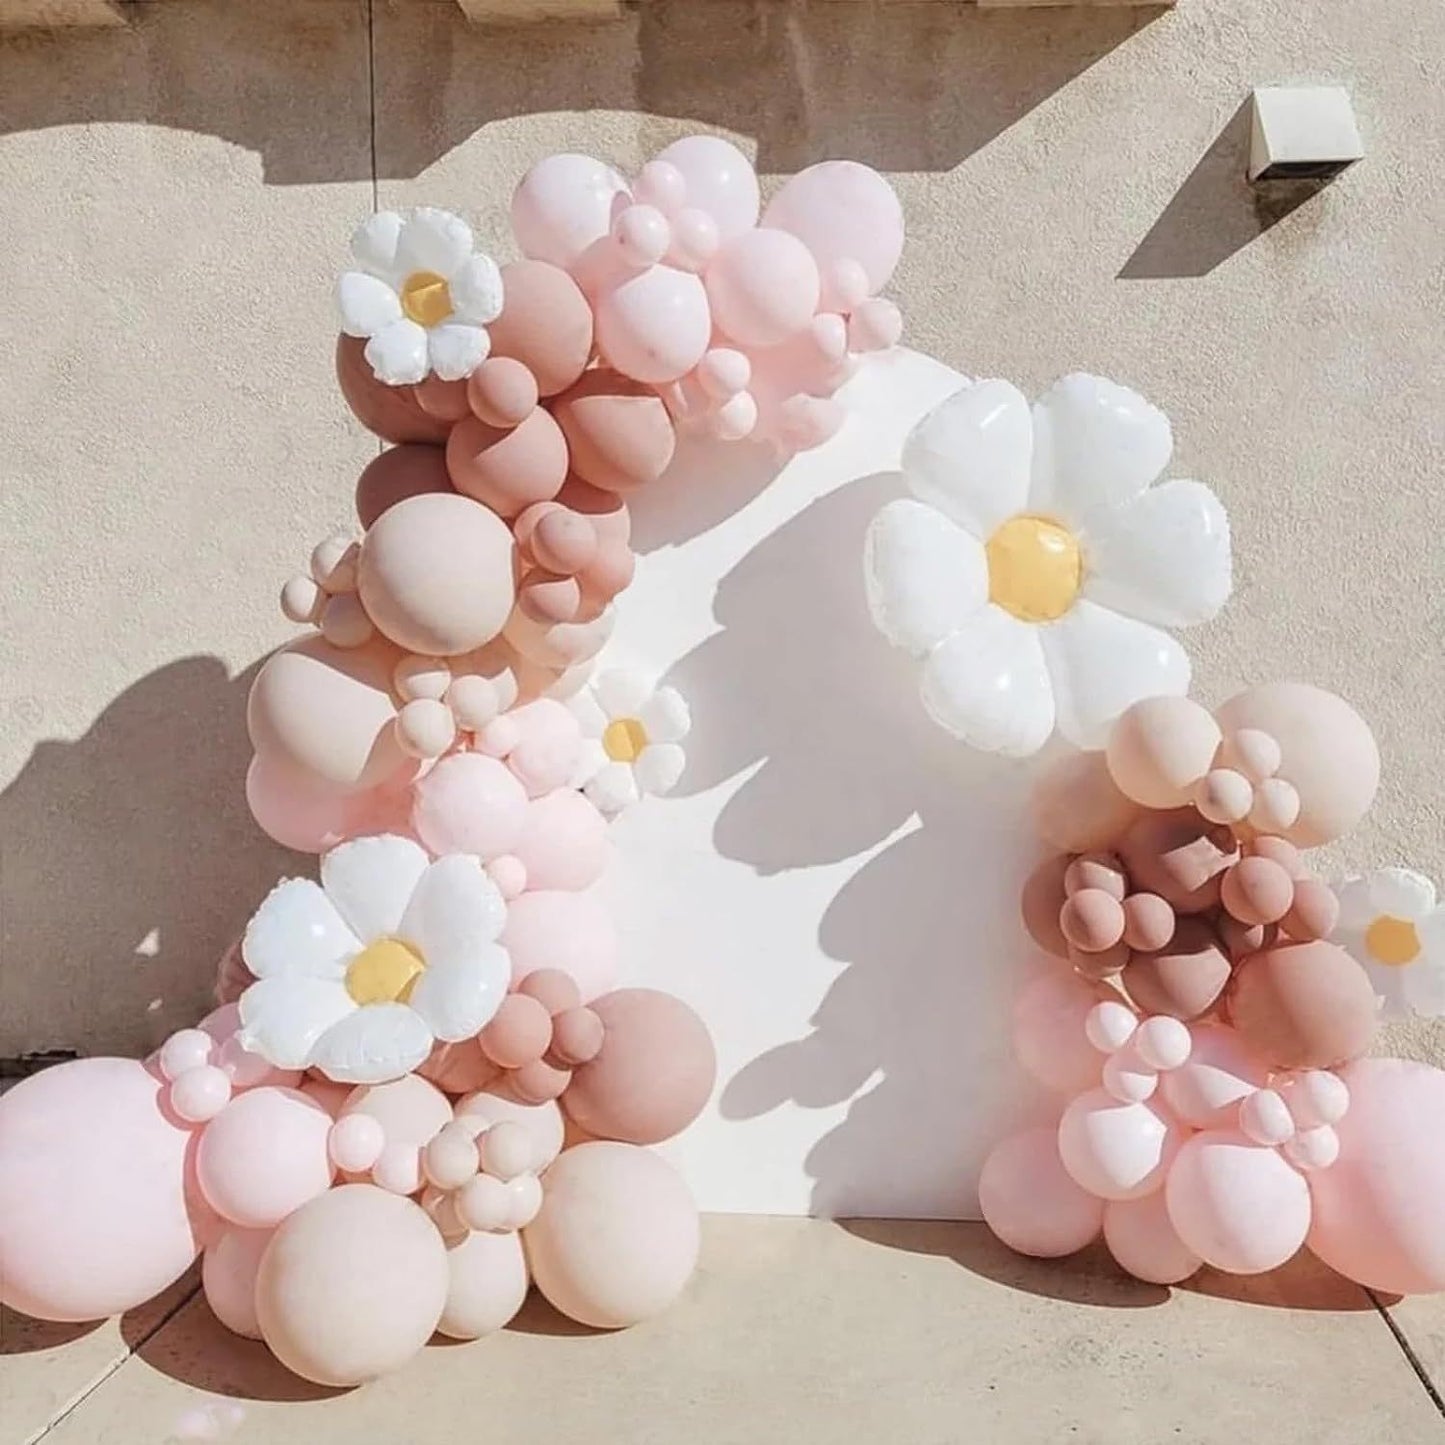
x: 488, y: 1284
x: 1160, y: 748
x: 543, y: 1122
x: 228, y: 1277
x: 617, y: 1238
x: 352, y: 1285
x: 559, y: 645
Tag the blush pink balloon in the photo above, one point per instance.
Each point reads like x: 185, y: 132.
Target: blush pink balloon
x: 469, y: 803
x: 1379, y: 1211
x: 654, y: 326
x: 570, y: 931
x: 541, y: 743
x: 1114, y: 1149
x: 720, y: 180
x: 762, y: 287
x: 228, y: 1277
x: 1143, y: 1240
x: 1205, y: 1092
x: 297, y: 809
x: 1049, y: 1037
x: 95, y: 1212
x: 564, y: 843
x: 564, y: 204
x: 1239, y: 1206
x: 1029, y: 1200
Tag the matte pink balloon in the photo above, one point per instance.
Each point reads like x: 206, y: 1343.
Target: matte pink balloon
x: 1205, y: 1092
x: 571, y: 931
x: 469, y: 803
x: 562, y: 205
x: 228, y: 1277
x: 720, y: 180
x: 1114, y: 1149
x: 541, y: 743
x: 296, y: 809
x: 1143, y: 1240
x: 1049, y: 1037
x: 1379, y: 1211
x: 655, y: 326
x: 762, y: 287
x: 1029, y: 1200
x: 94, y: 1210
x: 564, y: 842
x: 1238, y: 1205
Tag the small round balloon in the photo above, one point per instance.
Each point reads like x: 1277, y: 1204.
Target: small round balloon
x: 488, y: 1284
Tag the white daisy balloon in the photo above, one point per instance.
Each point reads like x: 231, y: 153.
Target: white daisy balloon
x: 1035, y: 569
x: 1393, y: 925
x: 422, y: 296
x: 358, y: 976
x: 632, y: 739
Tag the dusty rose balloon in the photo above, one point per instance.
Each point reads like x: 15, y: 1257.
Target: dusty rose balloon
x: 1379, y: 1211
x: 488, y: 1283
x: 1160, y: 748
x: 653, y: 1075
x: 1048, y: 1033
x: 719, y: 178
x: 1239, y: 1206
x: 1092, y: 920
x: 228, y: 1277
x: 1314, y: 912
x: 654, y: 326
x: 1097, y: 869
x: 1143, y: 1240
x: 469, y: 803
x: 1303, y: 1005
x: 436, y: 574
x: 1205, y: 1092
x: 1029, y: 1200
x: 392, y: 412
x: 399, y: 473
x: 1149, y: 922
x: 617, y: 1237
x: 546, y: 324
x: 1327, y: 753
x: 1076, y: 804
x: 458, y: 1068
x: 502, y: 392
x: 95, y: 1211
x: 328, y: 712
x: 1184, y: 979
x: 1114, y: 1149
x: 1041, y: 903
x: 762, y: 286
x: 571, y: 931
x: 296, y: 809
x: 1257, y: 890
x: 562, y: 205
x: 561, y: 646
x: 352, y: 1286
x: 1179, y: 856
x: 564, y: 842
x: 508, y: 468
x: 618, y: 432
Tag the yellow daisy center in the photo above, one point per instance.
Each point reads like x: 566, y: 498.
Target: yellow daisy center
x: 384, y: 972
x: 426, y: 298
x: 1392, y: 941
x: 1035, y: 568
x: 624, y: 740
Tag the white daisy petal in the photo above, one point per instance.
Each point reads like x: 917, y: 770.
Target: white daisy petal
x: 297, y: 930
x: 367, y: 305
x: 1401, y: 893
x: 433, y: 240
x: 1094, y: 441
x: 665, y: 716
x: 988, y: 685
x: 457, y: 1000
x: 590, y: 761
x: 1423, y: 985
x: 924, y: 575
x: 282, y: 1018
x: 477, y: 291
x: 1163, y: 557
x: 1431, y: 929
x: 397, y: 353
x: 454, y: 911
x: 588, y: 712
x: 613, y: 788
x: 1101, y: 663
x: 969, y: 456
x: 622, y: 692
x: 1357, y: 912
x: 457, y: 351
x: 370, y: 880
x: 373, y: 1045
x: 1389, y: 986
x: 658, y: 768
x: 373, y: 243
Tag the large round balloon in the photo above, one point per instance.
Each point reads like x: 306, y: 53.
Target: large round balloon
x: 352, y: 1285
x: 488, y: 1274
x: 720, y: 180
x: 1048, y: 1032
x: 571, y: 931
x: 562, y: 205
x: 617, y: 1237
x: 94, y: 1209
x: 1030, y: 1201
x: 1379, y: 1211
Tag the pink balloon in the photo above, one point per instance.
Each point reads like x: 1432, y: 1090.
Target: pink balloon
x: 469, y: 803
x: 1238, y: 1205
x: 1049, y: 1036
x: 564, y: 843
x: 562, y: 205
x: 570, y: 931
x: 842, y: 211
x: 228, y: 1277
x: 1028, y: 1199
x: 654, y: 326
x: 1114, y: 1149
x: 762, y: 287
x: 94, y: 1209
x: 1379, y: 1211
x: 1143, y: 1240
x: 720, y: 180
x: 297, y: 809
x: 1205, y: 1092
x: 264, y: 1155
x: 541, y: 743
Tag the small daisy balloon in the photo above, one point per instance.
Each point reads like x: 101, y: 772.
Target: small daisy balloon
x: 1035, y: 569
x: 1393, y: 925
x: 632, y: 739
x: 358, y: 976
x: 422, y: 296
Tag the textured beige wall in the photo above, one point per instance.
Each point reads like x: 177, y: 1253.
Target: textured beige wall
x: 177, y: 196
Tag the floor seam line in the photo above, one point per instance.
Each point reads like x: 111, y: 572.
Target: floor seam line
x: 1408, y: 1350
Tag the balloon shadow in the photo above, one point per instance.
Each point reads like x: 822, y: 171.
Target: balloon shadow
x: 22, y: 1335
x: 539, y: 1317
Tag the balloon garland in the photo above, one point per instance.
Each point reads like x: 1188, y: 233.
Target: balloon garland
x: 424, y: 1089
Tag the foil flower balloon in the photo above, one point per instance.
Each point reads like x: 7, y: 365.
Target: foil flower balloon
x: 1393, y: 926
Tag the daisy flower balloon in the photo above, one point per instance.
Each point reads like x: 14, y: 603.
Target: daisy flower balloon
x: 1393, y: 925
x: 1035, y: 569
x: 632, y: 739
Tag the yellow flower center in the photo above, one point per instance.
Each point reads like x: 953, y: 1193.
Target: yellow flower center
x: 1035, y: 568
x: 624, y: 740
x: 426, y: 298
x: 1393, y: 941
x: 384, y: 972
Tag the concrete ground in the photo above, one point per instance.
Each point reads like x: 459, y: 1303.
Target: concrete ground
x: 177, y: 193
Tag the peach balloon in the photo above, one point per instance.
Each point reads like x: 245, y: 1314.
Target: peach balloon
x: 1144, y: 1242
x: 1379, y: 1211
x: 469, y: 803
x: 1117, y: 1149
x: 1257, y: 890
x: 436, y: 574
x: 544, y: 1123
x: 392, y: 412
x: 399, y: 473
x: 560, y: 645
x: 95, y: 1211
x: 564, y: 842
x: 1160, y: 748
x: 296, y: 809
x: 571, y: 931
x: 1205, y: 1092
x: 1185, y: 978
x: 487, y: 1284
x: 617, y: 1237
x: 1042, y: 901
x: 546, y: 324
x: 351, y: 1286
x: 1030, y: 1201
x: 228, y: 1277
x: 1048, y: 1033
x: 508, y: 468
x: 618, y: 432
x: 410, y: 1110
x: 501, y: 392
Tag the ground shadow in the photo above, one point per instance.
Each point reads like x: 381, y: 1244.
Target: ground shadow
x: 130, y: 862
x: 901, y: 87
x: 538, y: 1317
x: 22, y: 1335
x: 1216, y: 212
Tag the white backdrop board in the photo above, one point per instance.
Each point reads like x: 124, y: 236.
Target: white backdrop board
x: 834, y: 884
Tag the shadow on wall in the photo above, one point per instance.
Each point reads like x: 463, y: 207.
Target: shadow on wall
x: 926, y: 930
x: 902, y: 87
x: 130, y: 863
